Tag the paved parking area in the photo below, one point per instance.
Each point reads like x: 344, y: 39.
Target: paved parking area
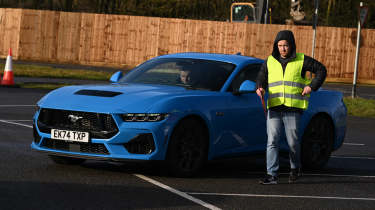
x: 363, y: 91
x: 29, y: 180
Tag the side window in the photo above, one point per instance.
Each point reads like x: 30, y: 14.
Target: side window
x: 249, y: 72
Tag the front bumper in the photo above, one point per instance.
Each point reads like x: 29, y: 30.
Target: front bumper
x: 134, y: 141
x: 83, y: 156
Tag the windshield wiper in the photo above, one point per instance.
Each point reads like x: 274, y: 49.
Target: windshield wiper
x: 190, y: 87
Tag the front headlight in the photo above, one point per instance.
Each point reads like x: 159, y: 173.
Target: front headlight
x: 143, y: 117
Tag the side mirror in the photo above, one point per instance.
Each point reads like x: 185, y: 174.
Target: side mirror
x: 116, y: 77
x: 247, y: 86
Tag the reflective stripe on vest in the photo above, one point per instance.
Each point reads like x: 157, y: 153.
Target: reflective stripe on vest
x: 285, y: 88
x: 292, y: 96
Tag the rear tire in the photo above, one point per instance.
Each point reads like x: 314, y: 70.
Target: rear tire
x: 317, y: 142
x: 188, y: 148
x: 66, y: 160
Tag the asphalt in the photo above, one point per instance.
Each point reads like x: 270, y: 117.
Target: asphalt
x: 363, y: 91
x: 65, y: 65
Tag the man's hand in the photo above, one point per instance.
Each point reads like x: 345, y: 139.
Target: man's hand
x: 260, y: 92
x: 306, y: 90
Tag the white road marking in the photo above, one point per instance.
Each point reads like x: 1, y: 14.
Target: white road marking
x: 282, y: 196
x: 19, y: 120
x: 14, y: 123
x: 339, y: 175
x: 332, y: 175
x: 354, y: 144
x: 17, y: 105
x: 182, y: 194
x: 344, y: 157
x: 210, y: 206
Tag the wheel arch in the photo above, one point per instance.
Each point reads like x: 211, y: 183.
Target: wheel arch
x: 310, y: 160
x: 317, y: 115
x: 188, y: 146
x: 197, y: 118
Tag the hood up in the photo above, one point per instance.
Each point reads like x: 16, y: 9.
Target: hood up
x: 288, y: 36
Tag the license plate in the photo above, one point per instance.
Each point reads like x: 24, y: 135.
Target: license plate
x: 76, y: 136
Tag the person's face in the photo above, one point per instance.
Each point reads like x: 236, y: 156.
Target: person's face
x: 185, y: 76
x: 284, y: 49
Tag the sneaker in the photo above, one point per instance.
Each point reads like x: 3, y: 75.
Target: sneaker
x: 269, y: 180
x: 294, y: 174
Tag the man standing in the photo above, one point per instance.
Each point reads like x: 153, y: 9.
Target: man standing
x: 284, y: 74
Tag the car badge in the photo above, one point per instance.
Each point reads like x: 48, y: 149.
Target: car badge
x: 74, y: 118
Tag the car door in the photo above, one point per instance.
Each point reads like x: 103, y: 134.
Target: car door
x: 243, y: 122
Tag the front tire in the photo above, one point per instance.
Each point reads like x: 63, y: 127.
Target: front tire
x: 317, y: 142
x: 188, y: 148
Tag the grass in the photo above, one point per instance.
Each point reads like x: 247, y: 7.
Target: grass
x: 360, y: 107
x: 46, y: 86
x: 23, y: 70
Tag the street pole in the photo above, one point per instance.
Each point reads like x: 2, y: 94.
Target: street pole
x: 354, y: 88
x: 313, y: 44
x: 266, y: 13
x: 314, y: 26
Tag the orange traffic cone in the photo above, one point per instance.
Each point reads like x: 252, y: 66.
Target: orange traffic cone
x: 8, y: 73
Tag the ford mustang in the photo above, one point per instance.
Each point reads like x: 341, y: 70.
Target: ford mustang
x: 183, y: 109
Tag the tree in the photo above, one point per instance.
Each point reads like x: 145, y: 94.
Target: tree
x: 339, y: 13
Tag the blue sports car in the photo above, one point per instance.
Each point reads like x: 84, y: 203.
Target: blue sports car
x: 183, y: 108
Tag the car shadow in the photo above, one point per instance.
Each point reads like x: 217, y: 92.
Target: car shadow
x: 253, y: 167
x: 221, y: 168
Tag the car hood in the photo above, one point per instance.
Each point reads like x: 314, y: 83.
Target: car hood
x: 112, y: 98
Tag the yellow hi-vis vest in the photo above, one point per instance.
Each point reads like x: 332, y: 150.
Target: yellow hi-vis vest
x: 286, y: 89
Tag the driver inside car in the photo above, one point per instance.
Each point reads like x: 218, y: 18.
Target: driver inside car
x: 185, y: 76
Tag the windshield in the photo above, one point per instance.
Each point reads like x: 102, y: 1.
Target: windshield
x: 189, y: 73
x: 243, y: 13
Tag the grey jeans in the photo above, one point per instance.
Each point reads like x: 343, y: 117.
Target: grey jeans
x: 276, y: 122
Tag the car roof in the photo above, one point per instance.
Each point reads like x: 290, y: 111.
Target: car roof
x: 233, y: 58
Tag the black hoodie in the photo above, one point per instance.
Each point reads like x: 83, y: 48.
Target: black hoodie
x: 309, y: 64
x: 289, y: 37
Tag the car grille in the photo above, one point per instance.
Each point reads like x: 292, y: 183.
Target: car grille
x: 93, y: 148
x: 100, y: 126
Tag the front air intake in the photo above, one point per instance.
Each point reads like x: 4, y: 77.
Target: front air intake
x: 141, y: 144
x: 93, y: 148
x: 36, y: 135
